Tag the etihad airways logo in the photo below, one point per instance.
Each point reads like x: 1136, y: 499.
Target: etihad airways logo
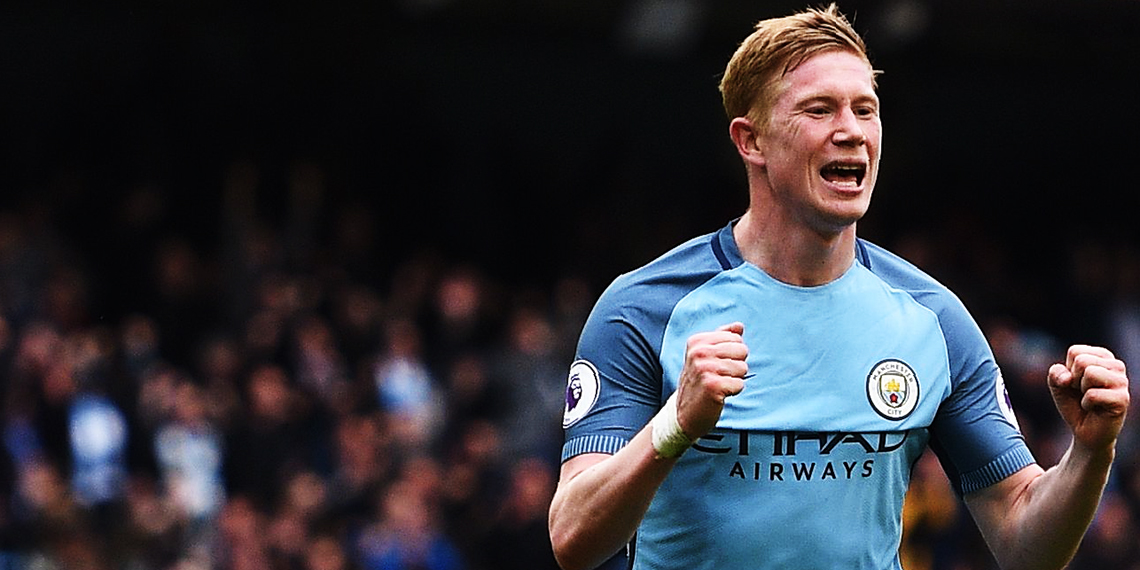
x: 788, y: 443
x: 801, y: 456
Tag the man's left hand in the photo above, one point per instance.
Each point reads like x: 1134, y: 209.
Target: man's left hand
x: 1091, y: 391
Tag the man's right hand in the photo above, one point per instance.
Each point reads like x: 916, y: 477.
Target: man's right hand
x: 714, y: 369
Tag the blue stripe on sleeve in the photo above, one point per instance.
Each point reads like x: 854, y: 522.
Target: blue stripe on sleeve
x: 592, y: 444
x: 1001, y: 467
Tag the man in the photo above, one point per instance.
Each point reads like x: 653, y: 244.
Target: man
x: 756, y: 397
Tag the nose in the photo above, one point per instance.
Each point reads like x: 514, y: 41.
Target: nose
x: 848, y: 129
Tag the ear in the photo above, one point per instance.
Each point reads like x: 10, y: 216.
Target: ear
x: 746, y: 138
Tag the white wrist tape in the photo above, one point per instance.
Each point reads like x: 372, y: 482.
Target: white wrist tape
x: 668, y: 438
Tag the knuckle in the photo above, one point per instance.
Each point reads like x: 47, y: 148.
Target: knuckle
x: 699, y: 351
x: 1084, y: 360
x: 704, y: 368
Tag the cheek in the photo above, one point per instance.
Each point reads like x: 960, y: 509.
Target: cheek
x: 794, y: 144
x: 875, y: 137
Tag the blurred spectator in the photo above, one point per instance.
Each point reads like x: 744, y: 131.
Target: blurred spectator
x: 44, y: 506
x: 519, y: 539
x: 319, y: 368
x: 98, y: 445
x: 190, y: 450
x: 221, y: 365
x: 533, y: 386
x: 459, y: 321
x: 326, y: 552
x: 405, y: 533
x: 301, y: 508
x: 364, y: 457
x: 242, y: 544
x: 471, y: 395
x: 152, y: 537
x: 139, y: 345
x: 356, y: 318
x: 97, y: 427
x: 406, y: 389
x: 270, y: 439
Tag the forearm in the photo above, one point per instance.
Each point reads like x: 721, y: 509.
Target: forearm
x: 596, y: 512
x: 1044, y: 525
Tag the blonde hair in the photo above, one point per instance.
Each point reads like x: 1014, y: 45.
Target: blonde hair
x: 750, y: 84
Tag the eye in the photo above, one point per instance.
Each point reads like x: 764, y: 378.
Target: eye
x: 817, y: 111
x: 866, y: 112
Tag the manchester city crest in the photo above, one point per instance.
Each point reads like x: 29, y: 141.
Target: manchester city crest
x: 892, y: 389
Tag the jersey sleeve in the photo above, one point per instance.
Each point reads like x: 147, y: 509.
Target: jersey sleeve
x: 975, y: 433
x: 614, y: 386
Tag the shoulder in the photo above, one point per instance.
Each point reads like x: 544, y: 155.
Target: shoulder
x: 903, y: 275
x: 968, y: 350
x: 615, y: 382
x: 657, y: 286
x: 629, y: 319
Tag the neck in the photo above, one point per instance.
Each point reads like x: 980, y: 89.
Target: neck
x: 793, y: 253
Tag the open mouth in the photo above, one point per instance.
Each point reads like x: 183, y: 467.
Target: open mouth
x: 841, y: 173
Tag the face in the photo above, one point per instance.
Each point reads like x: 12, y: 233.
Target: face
x: 820, y: 152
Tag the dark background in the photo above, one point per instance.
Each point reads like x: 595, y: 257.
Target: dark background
x: 540, y: 138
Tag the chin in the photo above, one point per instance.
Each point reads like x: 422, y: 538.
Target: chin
x: 836, y: 221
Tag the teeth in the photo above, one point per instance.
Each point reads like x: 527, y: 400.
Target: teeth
x: 845, y: 175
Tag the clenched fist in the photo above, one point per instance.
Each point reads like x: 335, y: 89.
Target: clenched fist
x: 714, y: 369
x: 1091, y: 392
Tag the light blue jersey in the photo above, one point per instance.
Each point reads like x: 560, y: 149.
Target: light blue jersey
x: 848, y: 383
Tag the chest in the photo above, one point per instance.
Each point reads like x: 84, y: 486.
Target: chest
x: 852, y: 357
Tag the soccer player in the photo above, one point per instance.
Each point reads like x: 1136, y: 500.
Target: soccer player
x: 756, y: 397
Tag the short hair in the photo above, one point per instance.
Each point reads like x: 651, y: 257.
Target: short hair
x: 750, y: 84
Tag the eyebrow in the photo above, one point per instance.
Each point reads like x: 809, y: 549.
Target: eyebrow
x: 824, y: 98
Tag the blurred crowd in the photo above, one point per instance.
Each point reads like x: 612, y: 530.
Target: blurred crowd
x: 258, y: 405
x: 281, y: 396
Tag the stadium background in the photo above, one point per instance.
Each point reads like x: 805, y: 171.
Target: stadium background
x: 342, y: 250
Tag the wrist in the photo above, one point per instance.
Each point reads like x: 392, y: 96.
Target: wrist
x: 669, y: 440
x: 1093, y: 456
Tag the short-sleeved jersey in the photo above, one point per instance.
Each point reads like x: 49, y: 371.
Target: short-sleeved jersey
x: 848, y: 383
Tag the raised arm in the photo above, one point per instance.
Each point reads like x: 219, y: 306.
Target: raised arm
x: 601, y: 499
x: 1035, y: 519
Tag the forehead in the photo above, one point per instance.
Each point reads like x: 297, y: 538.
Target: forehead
x: 835, y: 73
